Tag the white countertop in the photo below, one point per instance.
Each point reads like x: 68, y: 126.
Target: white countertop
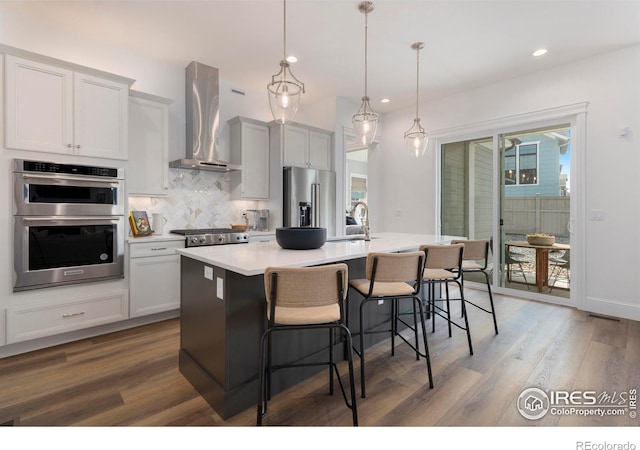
x: 254, y: 257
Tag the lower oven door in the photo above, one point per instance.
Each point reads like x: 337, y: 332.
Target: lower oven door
x: 53, y: 251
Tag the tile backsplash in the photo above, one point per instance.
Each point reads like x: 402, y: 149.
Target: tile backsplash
x: 195, y: 199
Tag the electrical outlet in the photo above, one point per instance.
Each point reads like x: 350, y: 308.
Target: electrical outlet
x: 380, y: 302
x: 220, y: 288
x: 597, y: 214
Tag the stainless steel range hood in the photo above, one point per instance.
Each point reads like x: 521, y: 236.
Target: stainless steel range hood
x: 202, y: 121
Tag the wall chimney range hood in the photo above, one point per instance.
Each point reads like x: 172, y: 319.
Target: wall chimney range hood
x: 202, y: 121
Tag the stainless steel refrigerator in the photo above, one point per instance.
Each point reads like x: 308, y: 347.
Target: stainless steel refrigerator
x: 310, y: 198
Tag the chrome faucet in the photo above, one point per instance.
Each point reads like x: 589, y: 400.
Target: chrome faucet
x: 365, y: 225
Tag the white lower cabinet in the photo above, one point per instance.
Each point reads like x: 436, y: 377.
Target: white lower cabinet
x: 32, y: 321
x: 154, y: 277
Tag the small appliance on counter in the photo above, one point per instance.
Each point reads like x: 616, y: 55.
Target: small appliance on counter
x: 258, y: 219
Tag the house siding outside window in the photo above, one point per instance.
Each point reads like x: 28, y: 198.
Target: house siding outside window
x: 532, y: 168
x: 521, y: 164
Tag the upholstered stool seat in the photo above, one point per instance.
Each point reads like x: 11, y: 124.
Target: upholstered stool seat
x: 470, y: 265
x: 391, y: 277
x: 307, y: 298
x: 443, y: 266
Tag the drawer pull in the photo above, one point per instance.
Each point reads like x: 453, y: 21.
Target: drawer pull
x: 66, y: 316
x: 158, y: 248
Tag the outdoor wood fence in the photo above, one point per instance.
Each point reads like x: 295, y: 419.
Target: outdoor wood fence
x: 523, y: 215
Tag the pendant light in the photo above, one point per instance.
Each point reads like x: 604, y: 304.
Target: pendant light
x: 285, y: 89
x: 416, y: 138
x: 365, y: 121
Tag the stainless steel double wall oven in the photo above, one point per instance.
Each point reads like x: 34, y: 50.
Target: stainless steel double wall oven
x: 69, y: 224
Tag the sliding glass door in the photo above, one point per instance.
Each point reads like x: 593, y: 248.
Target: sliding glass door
x: 535, y: 202
x: 531, y: 197
x: 467, y: 173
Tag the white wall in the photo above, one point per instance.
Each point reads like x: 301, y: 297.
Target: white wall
x: 610, y: 83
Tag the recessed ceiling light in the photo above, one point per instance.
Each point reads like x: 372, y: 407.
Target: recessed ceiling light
x: 385, y: 100
x: 540, y: 52
x: 292, y: 59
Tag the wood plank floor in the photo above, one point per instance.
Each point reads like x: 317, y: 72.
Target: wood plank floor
x: 131, y: 378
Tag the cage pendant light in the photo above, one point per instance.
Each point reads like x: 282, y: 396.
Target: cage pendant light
x: 285, y: 89
x: 365, y: 121
x: 416, y: 138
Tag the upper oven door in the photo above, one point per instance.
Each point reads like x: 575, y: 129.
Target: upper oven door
x: 66, y: 195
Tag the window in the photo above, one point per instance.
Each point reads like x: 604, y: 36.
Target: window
x: 521, y: 164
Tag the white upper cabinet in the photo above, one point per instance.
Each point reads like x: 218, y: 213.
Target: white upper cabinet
x: 250, y: 149
x: 319, y: 150
x: 54, y: 109
x: 296, y: 146
x: 148, y: 144
x: 101, y: 110
x: 305, y: 146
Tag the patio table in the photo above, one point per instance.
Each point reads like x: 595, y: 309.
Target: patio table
x: 542, y: 259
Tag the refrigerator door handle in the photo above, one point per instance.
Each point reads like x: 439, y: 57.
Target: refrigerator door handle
x: 315, y: 205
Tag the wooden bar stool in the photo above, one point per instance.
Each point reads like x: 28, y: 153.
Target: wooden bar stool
x: 307, y: 298
x: 394, y: 277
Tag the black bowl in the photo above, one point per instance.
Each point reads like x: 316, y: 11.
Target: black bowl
x: 301, y: 238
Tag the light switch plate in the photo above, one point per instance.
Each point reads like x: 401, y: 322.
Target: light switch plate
x: 208, y: 272
x: 597, y: 214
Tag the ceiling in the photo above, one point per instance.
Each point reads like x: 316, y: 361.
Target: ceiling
x: 467, y: 43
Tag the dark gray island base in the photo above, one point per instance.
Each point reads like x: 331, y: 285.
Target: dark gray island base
x: 221, y: 321
x: 223, y: 309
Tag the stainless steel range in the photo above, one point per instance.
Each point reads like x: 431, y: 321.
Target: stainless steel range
x: 212, y: 236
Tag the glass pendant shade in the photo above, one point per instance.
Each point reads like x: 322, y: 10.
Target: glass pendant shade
x: 365, y: 122
x: 416, y: 139
x: 285, y: 89
x: 284, y: 94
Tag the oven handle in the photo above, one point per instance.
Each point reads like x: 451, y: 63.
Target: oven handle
x: 58, y: 178
x: 91, y: 220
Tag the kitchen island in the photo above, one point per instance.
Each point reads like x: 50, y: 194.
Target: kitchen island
x: 222, y: 312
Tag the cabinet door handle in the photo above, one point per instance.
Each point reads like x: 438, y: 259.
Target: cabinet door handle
x: 158, y: 248
x: 78, y: 146
x: 66, y: 316
x: 69, y: 145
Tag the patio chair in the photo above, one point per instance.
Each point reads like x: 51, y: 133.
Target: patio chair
x: 559, y: 263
